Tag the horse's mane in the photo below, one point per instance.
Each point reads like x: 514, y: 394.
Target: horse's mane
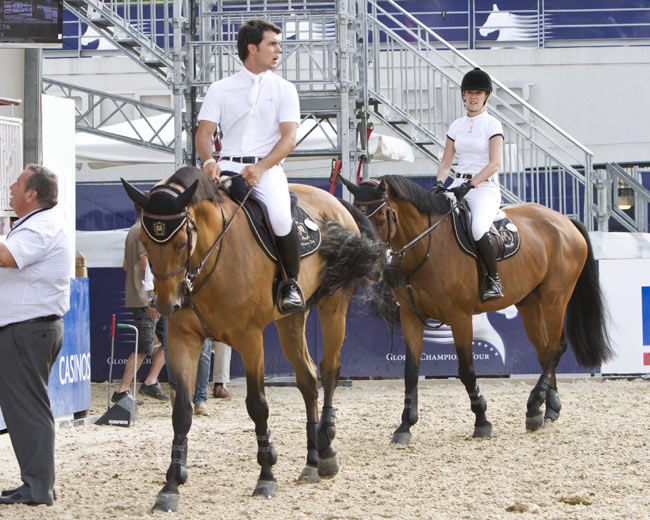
x: 423, y: 200
x: 206, y: 190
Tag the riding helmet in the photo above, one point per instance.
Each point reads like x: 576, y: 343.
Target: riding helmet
x: 476, y: 79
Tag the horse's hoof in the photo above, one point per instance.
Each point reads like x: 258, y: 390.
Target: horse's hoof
x: 483, y: 432
x: 309, y: 475
x: 534, y: 423
x: 552, y: 415
x: 328, y: 467
x: 265, y: 488
x: 166, y: 502
x: 401, y: 438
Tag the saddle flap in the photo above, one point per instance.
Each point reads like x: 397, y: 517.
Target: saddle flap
x: 505, y: 233
x: 308, y: 230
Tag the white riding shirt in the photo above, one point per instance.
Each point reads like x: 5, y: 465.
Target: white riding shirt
x: 249, y: 109
x: 471, y: 137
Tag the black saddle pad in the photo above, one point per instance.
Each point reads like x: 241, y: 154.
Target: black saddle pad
x: 308, y: 230
x: 505, y: 236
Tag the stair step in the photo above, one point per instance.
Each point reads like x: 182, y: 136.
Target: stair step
x: 76, y: 3
x: 100, y: 21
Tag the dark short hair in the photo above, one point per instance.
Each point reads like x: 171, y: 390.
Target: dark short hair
x: 44, y: 183
x: 253, y: 32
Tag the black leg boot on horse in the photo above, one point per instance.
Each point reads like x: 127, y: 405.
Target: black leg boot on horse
x: 494, y: 288
x: 290, y: 297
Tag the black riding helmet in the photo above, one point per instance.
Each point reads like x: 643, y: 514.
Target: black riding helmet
x: 476, y: 79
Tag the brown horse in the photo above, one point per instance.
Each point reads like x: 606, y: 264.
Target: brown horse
x: 213, y: 280
x: 553, y: 272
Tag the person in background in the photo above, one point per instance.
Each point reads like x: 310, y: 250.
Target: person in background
x: 139, y: 298
x: 221, y: 369
x: 36, y: 264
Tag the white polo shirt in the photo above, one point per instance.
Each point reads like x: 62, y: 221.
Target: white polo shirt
x: 40, y: 286
x: 471, y: 136
x: 250, y: 117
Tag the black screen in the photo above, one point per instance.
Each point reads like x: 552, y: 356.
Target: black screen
x: 31, y: 23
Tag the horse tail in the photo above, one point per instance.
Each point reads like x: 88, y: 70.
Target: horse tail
x: 586, y: 326
x: 349, y: 257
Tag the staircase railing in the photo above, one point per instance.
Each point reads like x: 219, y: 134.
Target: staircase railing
x: 414, y: 77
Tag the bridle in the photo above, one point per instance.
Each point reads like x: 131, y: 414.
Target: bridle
x: 397, y: 256
x: 191, y: 275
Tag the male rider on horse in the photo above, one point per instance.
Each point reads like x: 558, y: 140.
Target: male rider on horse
x: 477, y: 138
x: 259, y: 113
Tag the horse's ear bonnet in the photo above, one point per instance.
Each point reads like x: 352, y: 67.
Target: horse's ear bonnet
x: 369, y: 196
x: 163, y: 210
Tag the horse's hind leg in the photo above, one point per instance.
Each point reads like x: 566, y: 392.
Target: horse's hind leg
x: 291, y: 330
x: 184, y: 353
x: 332, y: 317
x: 543, y: 325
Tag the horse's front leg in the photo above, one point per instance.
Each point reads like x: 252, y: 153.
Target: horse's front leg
x: 463, y: 331
x: 253, y: 358
x: 291, y: 330
x: 413, y: 330
x: 185, y: 359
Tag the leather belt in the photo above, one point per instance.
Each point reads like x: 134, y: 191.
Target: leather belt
x: 463, y: 175
x: 51, y: 317
x: 244, y: 160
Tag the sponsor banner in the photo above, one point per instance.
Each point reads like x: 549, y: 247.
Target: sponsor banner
x: 626, y: 285
x: 69, y: 384
x: 372, y: 347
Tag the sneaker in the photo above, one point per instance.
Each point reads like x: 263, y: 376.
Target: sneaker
x: 201, y: 408
x: 153, y: 391
x: 220, y: 392
x: 118, y: 395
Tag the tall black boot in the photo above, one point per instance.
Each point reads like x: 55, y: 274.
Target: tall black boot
x: 494, y: 288
x: 291, y: 297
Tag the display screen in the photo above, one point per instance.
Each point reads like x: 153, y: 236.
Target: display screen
x: 31, y: 23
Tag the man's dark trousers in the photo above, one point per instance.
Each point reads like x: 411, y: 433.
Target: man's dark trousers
x: 27, y: 353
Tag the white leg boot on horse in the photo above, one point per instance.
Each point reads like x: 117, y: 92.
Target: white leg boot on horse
x: 494, y: 288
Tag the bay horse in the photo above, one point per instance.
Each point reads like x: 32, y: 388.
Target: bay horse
x: 212, y: 279
x: 553, y: 274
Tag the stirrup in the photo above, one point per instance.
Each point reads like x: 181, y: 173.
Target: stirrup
x: 494, y: 289
x: 290, y: 302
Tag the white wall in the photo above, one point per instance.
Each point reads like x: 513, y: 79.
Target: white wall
x: 12, y: 80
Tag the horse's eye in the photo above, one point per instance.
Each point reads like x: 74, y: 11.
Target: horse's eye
x: 180, y: 246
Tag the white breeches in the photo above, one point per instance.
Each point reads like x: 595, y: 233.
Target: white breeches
x: 484, y: 202
x: 273, y: 191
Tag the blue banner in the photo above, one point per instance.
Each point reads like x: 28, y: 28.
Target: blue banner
x: 69, y: 384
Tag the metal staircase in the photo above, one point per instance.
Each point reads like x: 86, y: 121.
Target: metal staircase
x: 354, y: 62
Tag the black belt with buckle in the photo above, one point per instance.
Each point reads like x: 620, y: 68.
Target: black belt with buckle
x: 51, y: 317
x: 244, y: 160
x: 463, y: 175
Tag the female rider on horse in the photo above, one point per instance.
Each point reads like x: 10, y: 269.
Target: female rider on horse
x: 477, y: 139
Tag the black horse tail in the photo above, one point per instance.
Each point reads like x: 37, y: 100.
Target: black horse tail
x: 585, y: 324
x: 349, y: 257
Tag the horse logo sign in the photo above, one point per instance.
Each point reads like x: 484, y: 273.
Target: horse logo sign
x: 510, y: 26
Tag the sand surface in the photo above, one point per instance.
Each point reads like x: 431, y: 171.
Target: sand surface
x: 593, y: 463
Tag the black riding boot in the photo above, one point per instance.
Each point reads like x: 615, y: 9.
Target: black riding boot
x: 291, y: 298
x: 494, y: 288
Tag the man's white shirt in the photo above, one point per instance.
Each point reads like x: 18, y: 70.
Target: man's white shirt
x: 250, y: 127
x: 40, y: 286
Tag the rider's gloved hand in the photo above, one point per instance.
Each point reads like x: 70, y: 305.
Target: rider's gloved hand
x: 461, y: 191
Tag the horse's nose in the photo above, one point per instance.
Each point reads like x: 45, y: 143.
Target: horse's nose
x: 177, y: 307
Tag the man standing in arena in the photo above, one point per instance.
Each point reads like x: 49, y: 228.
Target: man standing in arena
x: 35, y: 271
